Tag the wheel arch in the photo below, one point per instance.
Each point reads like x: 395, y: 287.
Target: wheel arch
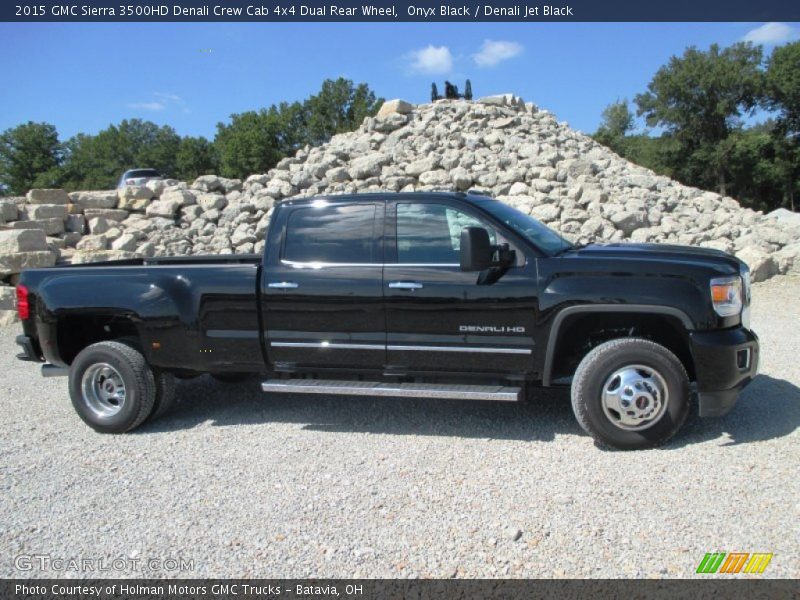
x: 666, y: 325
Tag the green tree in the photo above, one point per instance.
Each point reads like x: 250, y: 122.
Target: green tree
x: 617, y: 122
x: 782, y: 87
x: 29, y: 156
x: 699, y: 99
x: 339, y: 106
x: 96, y: 162
x: 253, y: 142
x: 196, y: 156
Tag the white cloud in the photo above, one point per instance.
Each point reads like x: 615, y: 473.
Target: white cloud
x: 168, y: 97
x: 493, y: 52
x: 770, y: 33
x: 432, y: 60
x: 147, y: 105
x: 163, y: 100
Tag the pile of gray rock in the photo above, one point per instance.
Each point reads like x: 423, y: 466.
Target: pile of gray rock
x: 500, y: 145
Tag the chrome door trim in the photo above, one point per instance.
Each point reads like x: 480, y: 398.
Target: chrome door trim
x: 486, y: 350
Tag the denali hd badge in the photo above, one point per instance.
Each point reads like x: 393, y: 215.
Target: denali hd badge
x: 491, y: 329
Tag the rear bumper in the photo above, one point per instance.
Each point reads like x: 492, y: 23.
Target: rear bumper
x: 725, y: 362
x: 28, y: 350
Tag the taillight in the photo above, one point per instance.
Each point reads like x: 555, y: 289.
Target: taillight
x: 23, y: 306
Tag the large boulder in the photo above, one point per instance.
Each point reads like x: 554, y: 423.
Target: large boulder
x: 134, y: 197
x: 395, y: 107
x: 45, y: 211
x: 111, y: 214
x: 368, y: 166
x: 163, y: 208
x: 47, y: 196
x: 11, y: 264
x: 8, y: 211
x: 22, y: 240
x: 761, y: 264
x: 95, y: 199
x: 211, y: 201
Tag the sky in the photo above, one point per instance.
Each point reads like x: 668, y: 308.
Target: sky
x: 82, y: 77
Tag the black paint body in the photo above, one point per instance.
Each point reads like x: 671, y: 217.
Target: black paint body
x: 223, y: 313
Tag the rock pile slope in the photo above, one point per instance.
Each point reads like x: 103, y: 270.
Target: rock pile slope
x: 511, y: 150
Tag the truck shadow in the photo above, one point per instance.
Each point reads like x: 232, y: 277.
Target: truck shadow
x: 769, y: 408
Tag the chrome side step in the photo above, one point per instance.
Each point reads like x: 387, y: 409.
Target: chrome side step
x: 409, y: 390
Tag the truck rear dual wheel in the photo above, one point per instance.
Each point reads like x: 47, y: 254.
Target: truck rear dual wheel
x: 630, y: 394
x: 114, y: 390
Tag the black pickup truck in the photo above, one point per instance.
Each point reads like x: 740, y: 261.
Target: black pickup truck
x: 447, y: 295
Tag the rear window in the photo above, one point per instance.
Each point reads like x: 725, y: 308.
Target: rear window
x: 142, y: 173
x: 331, y: 234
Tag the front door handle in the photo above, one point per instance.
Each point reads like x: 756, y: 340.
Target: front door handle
x: 405, y: 285
x: 283, y: 285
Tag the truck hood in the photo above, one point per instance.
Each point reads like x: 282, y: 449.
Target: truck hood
x: 659, y: 252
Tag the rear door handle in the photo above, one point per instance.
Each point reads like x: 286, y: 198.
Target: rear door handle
x: 283, y: 285
x: 405, y: 285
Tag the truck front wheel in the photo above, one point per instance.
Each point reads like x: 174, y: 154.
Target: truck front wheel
x: 630, y: 393
x: 112, y: 387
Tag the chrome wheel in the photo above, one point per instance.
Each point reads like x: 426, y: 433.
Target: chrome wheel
x: 634, y: 397
x: 103, y: 389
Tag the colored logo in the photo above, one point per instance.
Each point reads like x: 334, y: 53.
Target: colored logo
x: 734, y: 562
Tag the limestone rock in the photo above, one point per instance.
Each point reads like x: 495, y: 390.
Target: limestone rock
x: 96, y: 199
x: 11, y: 264
x: 47, y: 196
x: 395, y: 107
x: 22, y: 240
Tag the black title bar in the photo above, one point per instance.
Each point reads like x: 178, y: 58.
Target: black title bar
x: 277, y: 11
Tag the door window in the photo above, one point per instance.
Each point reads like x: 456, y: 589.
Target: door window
x: 431, y: 233
x: 331, y: 234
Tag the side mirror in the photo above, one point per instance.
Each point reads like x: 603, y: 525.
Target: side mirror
x: 476, y: 249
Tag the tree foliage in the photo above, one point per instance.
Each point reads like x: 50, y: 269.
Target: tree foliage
x: 196, y: 156
x: 339, y: 106
x: 617, y: 122
x: 700, y: 102
x: 700, y: 98
x: 250, y: 142
x: 29, y: 154
x: 97, y: 161
x: 782, y: 87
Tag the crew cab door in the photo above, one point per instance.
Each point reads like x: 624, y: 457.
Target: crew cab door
x: 438, y: 317
x: 321, y: 286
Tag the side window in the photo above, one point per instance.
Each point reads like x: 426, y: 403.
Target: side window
x: 333, y: 234
x: 431, y: 233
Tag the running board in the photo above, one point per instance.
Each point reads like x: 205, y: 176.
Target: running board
x: 409, y: 390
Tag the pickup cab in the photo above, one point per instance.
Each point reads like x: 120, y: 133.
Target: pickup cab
x: 448, y: 295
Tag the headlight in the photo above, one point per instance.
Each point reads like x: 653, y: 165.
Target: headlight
x: 726, y: 295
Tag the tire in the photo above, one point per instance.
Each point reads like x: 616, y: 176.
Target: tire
x: 631, y: 394
x: 231, y: 377
x: 165, y: 395
x: 112, y: 387
x: 165, y: 383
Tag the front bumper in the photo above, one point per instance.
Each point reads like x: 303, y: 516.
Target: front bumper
x: 725, y: 362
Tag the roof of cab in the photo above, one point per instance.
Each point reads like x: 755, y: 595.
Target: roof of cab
x: 373, y: 196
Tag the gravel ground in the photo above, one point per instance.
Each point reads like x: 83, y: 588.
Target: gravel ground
x: 244, y: 484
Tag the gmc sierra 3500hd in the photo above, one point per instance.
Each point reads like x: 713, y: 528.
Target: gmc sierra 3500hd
x: 438, y: 295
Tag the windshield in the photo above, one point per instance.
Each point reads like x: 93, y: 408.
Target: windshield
x: 541, y: 236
